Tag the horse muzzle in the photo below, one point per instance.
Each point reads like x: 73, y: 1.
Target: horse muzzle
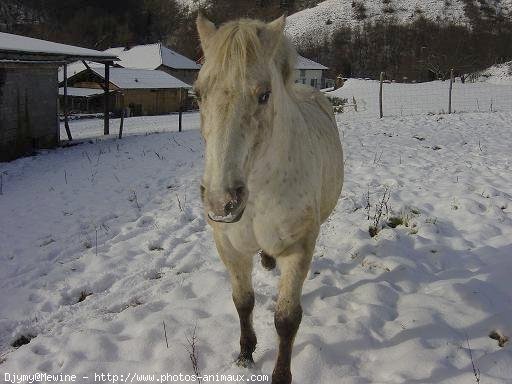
x: 228, y: 209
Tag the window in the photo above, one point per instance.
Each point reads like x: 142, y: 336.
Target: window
x: 313, y: 83
x: 302, y: 73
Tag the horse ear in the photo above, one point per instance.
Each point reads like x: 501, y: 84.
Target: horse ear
x: 272, y: 34
x: 206, y: 29
x: 277, y: 26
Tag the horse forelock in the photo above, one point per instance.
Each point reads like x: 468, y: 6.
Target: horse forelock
x: 235, y: 49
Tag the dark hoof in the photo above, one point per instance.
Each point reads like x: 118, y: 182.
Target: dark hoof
x: 245, y: 361
x: 281, y: 378
x: 268, y: 262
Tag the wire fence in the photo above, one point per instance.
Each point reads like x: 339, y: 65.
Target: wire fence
x: 401, y: 99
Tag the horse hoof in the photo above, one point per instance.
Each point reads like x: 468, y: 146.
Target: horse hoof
x: 281, y: 378
x: 268, y: 262
x: 245, y: 361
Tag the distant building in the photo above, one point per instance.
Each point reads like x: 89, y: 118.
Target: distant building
x: 157, y: 56
x: 29, y: 91
x: 136, y: 91
x: 311, y: 73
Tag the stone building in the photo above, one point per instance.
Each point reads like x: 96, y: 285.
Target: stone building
x: 29, y: 91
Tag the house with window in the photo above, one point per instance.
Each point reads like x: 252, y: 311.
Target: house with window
x: 310, y: 72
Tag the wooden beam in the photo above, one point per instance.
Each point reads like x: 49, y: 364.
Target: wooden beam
x: 106, y: 114
x: 180, y: 90
x: 66, y: 123
x: 86, y: 65
x: 122, y: 116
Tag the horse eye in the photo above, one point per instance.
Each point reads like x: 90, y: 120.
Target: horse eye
x: 264, y: 97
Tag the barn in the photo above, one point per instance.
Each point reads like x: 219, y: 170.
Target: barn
x: 29, y: 91
x: 135, y: 91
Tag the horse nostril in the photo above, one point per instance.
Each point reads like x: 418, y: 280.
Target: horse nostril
x: 239, y: 192
x: 231, y: 206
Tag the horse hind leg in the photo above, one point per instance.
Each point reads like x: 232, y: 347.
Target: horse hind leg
x: 267, y: 261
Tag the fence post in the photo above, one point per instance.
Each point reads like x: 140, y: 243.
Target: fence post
x: 180, y: 110
x: 121, y: 124
x: 380, y: 94
x: 106, y: 101
x: 450, y: 94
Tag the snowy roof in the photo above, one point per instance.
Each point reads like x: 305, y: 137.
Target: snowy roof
x: 304, y: 63
x: 82, y: 92
x: 23, y: 45
x: 76, y: 67
x: 141, y: 78
x: 152, y: 56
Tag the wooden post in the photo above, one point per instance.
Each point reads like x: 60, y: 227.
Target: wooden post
x: 66, y: 123
x: 122, y: 117
x: 450, y: 94
x: 106, y: 116
x: 181, y: 110
x: 380, y: 94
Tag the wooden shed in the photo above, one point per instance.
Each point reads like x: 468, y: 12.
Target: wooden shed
x: 136, y: 91
x: 29, y: 91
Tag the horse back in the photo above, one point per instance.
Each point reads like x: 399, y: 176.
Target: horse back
x: 322, y: 129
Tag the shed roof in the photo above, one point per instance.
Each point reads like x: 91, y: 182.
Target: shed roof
x: 126, y: 78
x: 152, y: 56
x: 23, y: 46
x: 305, y: 63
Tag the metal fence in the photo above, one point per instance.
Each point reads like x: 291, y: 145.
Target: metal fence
x: 385, y: 98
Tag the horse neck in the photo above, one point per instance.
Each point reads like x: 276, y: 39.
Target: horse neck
x: 284, y: 144
x: 287, y: 122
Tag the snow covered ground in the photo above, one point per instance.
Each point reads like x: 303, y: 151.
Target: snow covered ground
x: 497, y: 74
x: 400, y: 99
x: 103, y: 242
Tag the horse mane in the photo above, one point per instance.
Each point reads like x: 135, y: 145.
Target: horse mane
x: 237, y: 44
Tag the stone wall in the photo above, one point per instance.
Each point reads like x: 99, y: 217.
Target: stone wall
x: 28, y: 108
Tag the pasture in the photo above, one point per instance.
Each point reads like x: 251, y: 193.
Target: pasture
x: 103, y: 243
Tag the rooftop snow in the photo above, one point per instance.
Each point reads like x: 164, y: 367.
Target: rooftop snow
x: 141, y: 78
x: 152, y: 56
x: 304, y: 63
x: 27, y: 45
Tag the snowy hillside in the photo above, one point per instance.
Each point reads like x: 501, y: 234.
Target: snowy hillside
x: 14, y: 12
x: 102, y: 243
x: 315, y: 24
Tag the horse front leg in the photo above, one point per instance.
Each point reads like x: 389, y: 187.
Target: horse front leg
x: 239, y: 267
x: 294, y: 265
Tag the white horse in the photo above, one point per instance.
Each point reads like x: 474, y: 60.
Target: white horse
x: 273, y: 168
